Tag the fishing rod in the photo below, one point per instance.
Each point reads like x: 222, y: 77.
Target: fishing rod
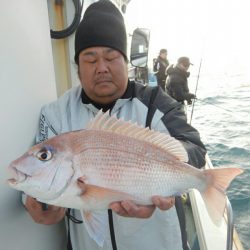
x: 207, y: 102
x: 227, y: 110
x: 196, y: 87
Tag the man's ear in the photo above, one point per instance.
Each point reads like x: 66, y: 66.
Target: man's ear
x: 78, y: 71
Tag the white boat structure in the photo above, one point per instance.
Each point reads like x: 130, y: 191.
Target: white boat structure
x: 35, y: 71
x: 202, y: 232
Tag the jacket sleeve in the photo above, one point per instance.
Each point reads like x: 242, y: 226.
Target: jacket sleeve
x: 177, y: 91
x: 176, y: 123
x: 189, y: 96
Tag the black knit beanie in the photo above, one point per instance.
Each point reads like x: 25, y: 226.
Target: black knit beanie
x: 102, y: 25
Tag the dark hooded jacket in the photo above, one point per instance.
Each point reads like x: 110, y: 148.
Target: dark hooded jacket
x: 160, y: 66
x: 177, y: 84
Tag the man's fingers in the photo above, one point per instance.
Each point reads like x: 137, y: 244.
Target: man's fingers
x: 32, y: 203
x: 50, y: 216
x: 163, y: 203
x: 137, y: 211
x: 117, y: 208
x: 130, y: 209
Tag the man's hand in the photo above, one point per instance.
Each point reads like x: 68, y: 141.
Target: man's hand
x: 163, y: 203
x: 130, y: 209
x: 192, y: 96
x: 50, y: 216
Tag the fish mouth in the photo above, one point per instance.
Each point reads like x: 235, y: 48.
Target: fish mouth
x: 17, y: 176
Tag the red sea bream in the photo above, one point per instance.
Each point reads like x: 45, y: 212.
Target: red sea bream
x: 118, y: 161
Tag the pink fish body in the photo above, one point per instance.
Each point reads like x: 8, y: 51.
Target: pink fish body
x: 119, y: 161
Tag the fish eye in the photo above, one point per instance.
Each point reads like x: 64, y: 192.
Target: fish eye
x: 44, y: 155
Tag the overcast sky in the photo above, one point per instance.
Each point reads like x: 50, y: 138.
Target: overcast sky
x: 216, y: 30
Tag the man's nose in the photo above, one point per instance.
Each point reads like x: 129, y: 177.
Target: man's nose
x: 101, y: 66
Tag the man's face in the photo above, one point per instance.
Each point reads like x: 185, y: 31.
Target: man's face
x: 185, y: 66
x: 163, y: 55
x: 103, y: 74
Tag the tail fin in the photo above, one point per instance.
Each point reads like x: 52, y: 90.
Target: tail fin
x: 214, y: 196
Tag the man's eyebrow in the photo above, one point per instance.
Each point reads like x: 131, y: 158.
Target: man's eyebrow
x: 94, y: 53
x: 89, y: 53
x: 109, y: 50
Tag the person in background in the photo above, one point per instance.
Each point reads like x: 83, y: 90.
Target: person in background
x: 101, y: 58
x: 160, y: 65
x: 177, y: 81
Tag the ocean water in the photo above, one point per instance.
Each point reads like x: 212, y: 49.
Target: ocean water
x: 222, y: 115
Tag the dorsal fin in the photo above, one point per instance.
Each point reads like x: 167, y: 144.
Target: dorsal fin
x: 105, y: 122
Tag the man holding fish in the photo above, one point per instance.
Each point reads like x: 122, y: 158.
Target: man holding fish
x: 111, y: 163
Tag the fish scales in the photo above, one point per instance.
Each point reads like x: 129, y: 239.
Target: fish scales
x: 130, y: 165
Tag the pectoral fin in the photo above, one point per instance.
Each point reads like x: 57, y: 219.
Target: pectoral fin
x: 99, y: 198
x: 96, y: 224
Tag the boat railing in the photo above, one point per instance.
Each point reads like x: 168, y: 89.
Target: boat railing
x: 230, y: 225
x: 209, y: 235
